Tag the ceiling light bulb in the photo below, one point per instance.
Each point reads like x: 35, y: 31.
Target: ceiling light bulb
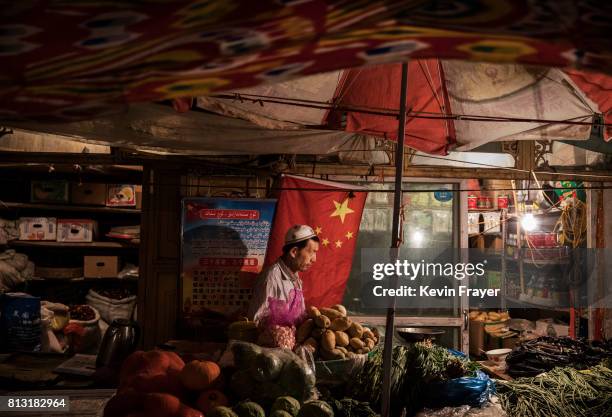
x: 529, y: 222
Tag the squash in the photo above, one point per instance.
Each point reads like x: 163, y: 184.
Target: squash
x: 316, y: 408
x: 313, y: 312
x: 328, y: 341
x: 210, y: 399
x: 199, y: 375
x: 331, y: 313
x: 186, y: 411
x: 342, y: 339
x: 340, y: 308
x: 287, y: 404
x: 266, y: 367
x: 222, y: 412
x: 280, y: 413
x: 322, y: 321
x: 124, y: 403
x: 304, y: 330
x: 341, y: 324
x: 249, y: 409
x: 161, y: 405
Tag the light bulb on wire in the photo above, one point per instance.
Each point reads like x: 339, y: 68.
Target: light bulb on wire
x: 529, y: 222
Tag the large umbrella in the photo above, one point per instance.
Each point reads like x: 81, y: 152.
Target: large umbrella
x: 452, y: 105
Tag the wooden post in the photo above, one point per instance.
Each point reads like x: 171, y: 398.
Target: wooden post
x: 399, y: 171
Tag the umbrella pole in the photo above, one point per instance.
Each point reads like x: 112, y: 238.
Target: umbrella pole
x: 397, y: 201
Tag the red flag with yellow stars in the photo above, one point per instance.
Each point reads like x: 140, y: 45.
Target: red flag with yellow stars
x: 334, y: 213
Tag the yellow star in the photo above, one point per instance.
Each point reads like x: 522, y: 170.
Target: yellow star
x: 325, y: 242
x: 318, y: 230
x: 349, y: 235
x: 338, y: 243
x: 342, y: 209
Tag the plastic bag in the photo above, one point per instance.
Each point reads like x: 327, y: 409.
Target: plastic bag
x: 84, y: 335
x: 264, y: 374
x: 473, y: 391
x: 111, y: 309
x: 20, y: 325
x: 285, y: 313
x: 278, y: 324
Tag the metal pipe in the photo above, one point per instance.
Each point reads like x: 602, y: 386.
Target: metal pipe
x: 395, y: 242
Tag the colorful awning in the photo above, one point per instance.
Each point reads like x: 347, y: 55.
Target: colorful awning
x: 76, y: 59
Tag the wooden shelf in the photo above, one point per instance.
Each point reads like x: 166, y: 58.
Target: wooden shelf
x: 65, y: 207
x: 83, y: 279
x: 542, y: 262
x: 528, y: 304
x: 52, y: 244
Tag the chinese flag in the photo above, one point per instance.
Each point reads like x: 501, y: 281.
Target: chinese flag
x: 334, y: 213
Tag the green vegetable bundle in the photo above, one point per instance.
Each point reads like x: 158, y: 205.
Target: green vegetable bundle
x: 413, y: 368
x: 562, y: 392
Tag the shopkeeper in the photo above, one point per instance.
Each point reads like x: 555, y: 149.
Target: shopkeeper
x: 280, y: 278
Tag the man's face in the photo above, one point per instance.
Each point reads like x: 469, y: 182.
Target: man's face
x: 304, y: 258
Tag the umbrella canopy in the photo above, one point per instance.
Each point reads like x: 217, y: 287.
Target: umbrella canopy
x: 452, y: 105
x: 112, y: 52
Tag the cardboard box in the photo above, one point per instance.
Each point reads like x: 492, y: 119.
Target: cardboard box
x: 49, y: 191
x: 480, y: 340
x: 76, y: 230
x: 139, y: 197
x: 37, y: 228
x: 101, y: 266
x: 121, y: 195
x: 90, y: 194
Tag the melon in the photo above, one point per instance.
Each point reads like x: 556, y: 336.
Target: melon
x: 316, y: 408
x: 287, y: 404
x: 249, y: 409
x: 221, y: 412
x: 280, y: 413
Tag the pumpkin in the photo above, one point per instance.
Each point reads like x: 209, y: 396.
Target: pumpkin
x: 153, y: 371
x: 199, y: 375
x: 124, y: 403
x: 211, y: 399
x: 186, y: 411
x: 161, y: 405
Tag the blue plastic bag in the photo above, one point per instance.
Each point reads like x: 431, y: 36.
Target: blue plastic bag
x: 473, y: 391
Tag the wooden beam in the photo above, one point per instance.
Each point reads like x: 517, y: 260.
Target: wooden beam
x: 413, y: 171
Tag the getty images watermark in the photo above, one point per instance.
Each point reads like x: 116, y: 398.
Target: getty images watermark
x: 404, y: 269
x: 442, y: 278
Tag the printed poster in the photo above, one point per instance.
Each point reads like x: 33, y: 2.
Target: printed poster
x: 224, y: 245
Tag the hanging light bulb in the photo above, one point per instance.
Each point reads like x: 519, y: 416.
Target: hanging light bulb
x: 529, y: 222
x: 417, y: 238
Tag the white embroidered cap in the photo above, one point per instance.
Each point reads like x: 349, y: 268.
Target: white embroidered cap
x: 298, y: 233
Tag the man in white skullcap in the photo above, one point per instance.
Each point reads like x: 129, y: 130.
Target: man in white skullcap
x: 280, y: 278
